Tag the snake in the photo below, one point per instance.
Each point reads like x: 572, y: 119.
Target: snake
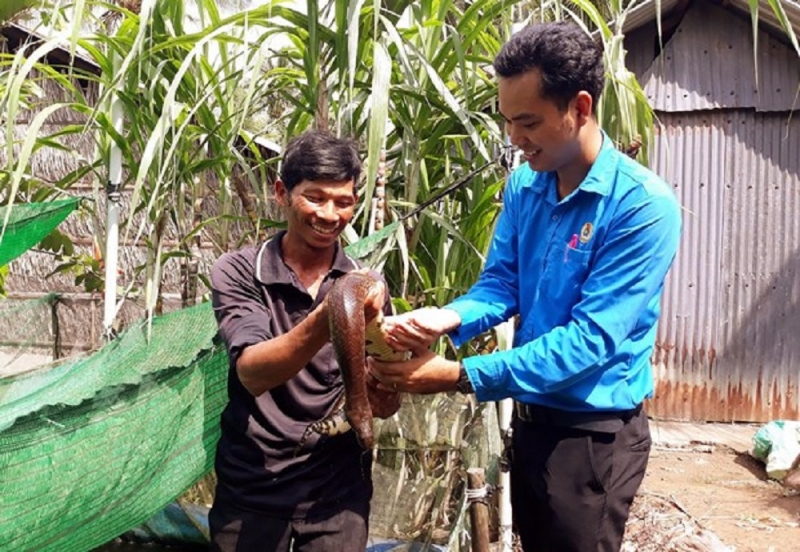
x: 353, y: 339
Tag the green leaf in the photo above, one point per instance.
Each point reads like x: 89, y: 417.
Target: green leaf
x: 754, y: 18
x: 779, y: 12
x: 379, y: 114
x: 10, y: 8
x: 23, y: 157
x: 367, y: 245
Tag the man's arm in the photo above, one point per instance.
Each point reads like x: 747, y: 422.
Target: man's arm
x: 424, y: 373
x: 493, y: 299
x: 627, y: 277
x: 495, y: 296
x: 268, y: 364
x: 262, y: 361
x: 628, y: 274
x: 418, y: 329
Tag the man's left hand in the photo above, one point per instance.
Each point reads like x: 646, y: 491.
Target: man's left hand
x: 376, y: 297
x: 382, y: 402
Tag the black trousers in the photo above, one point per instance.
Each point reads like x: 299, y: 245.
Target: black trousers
x: 571, y: 489
x: 235, y: 530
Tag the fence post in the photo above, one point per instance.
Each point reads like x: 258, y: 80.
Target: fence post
x: 477, y: 498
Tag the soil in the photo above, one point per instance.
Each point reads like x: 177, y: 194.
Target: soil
x: 715, y: 496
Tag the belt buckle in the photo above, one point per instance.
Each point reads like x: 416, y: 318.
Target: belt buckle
x: 523, y: 412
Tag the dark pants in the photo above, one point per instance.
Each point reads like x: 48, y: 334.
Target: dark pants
x: 571, y: 489
x: 234, y: 530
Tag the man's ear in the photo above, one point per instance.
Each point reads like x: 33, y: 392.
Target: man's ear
x: 281, y: 193
x: 583, y: 107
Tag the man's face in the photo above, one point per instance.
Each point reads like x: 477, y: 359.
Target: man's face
x: 547, y: 136
x: 317, y: 211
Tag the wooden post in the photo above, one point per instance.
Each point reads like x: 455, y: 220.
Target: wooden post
x: 477, y: 497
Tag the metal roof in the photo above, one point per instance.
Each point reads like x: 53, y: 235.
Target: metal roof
x: 708, y: 63
x: 647, y: 11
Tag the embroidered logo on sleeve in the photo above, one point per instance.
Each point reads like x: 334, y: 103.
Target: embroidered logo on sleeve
x: 586, y: 232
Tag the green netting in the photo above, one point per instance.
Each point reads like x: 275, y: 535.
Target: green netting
x: 27, y: 333
x: 420, y: 467
x: 30, y: 223
x: 94, y: 447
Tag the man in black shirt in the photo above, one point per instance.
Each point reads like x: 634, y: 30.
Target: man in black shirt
x: 269, y: 301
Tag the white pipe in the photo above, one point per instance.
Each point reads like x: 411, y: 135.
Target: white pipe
x: 112, y: 221
x: 505, y: 333
x: 504, y: 410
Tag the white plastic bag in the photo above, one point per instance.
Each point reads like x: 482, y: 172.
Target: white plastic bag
x: 778, y: 445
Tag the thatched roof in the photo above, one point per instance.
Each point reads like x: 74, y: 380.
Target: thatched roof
x: 17, y: 35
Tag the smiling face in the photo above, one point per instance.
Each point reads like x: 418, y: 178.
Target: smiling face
x: 316, y: 212
x: 548, y: 136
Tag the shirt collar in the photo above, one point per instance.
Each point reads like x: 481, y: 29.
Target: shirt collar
x: 598, y: 180
x: 601, y: 173
x: 272, y: 269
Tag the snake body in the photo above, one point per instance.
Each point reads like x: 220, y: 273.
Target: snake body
x: 352, y: 340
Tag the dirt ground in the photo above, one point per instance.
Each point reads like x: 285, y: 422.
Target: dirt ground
x: 700, y: 491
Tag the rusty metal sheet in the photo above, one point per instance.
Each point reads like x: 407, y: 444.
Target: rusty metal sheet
x: 728, y: 338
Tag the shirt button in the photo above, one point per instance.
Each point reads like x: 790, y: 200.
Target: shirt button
x: 554, y: 217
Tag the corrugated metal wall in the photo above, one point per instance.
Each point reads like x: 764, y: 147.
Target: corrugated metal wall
x: 729, y: 336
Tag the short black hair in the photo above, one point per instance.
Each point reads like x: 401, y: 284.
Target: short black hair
x: 318, y: 155
x: 568, y: 59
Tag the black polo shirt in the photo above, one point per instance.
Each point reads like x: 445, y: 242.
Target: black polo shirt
x: 256, y: 297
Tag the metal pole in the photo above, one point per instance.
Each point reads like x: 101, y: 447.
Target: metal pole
x: 113, y: 189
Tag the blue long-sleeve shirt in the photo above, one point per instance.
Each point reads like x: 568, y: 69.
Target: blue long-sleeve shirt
x: 585, y: 275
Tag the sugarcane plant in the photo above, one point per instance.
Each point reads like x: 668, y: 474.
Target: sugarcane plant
x: 201, y: 91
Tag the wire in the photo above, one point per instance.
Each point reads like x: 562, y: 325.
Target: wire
x: 458, y: 184
x: 480, y: 494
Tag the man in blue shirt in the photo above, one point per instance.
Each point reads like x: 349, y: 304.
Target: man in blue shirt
x: 579, y: 253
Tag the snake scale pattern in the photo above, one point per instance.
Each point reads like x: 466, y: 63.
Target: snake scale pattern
x: 352, y: 341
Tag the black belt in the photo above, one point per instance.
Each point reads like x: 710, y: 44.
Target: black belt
x: 604, y: 422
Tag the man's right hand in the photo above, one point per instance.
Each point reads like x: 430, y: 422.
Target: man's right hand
x: 418, y: 329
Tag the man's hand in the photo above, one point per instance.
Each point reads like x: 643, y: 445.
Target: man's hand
x: 425, y: 373
x: 376, y: 298
x: 374, y: 301
x: 382, y: 402
x: 418, y: 329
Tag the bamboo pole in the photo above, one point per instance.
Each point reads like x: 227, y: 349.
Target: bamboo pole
x: 478, y: 509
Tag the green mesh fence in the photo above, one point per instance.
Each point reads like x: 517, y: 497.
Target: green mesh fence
x: 30, y: 223
x: 26, y: 333
x: 96, y: 446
